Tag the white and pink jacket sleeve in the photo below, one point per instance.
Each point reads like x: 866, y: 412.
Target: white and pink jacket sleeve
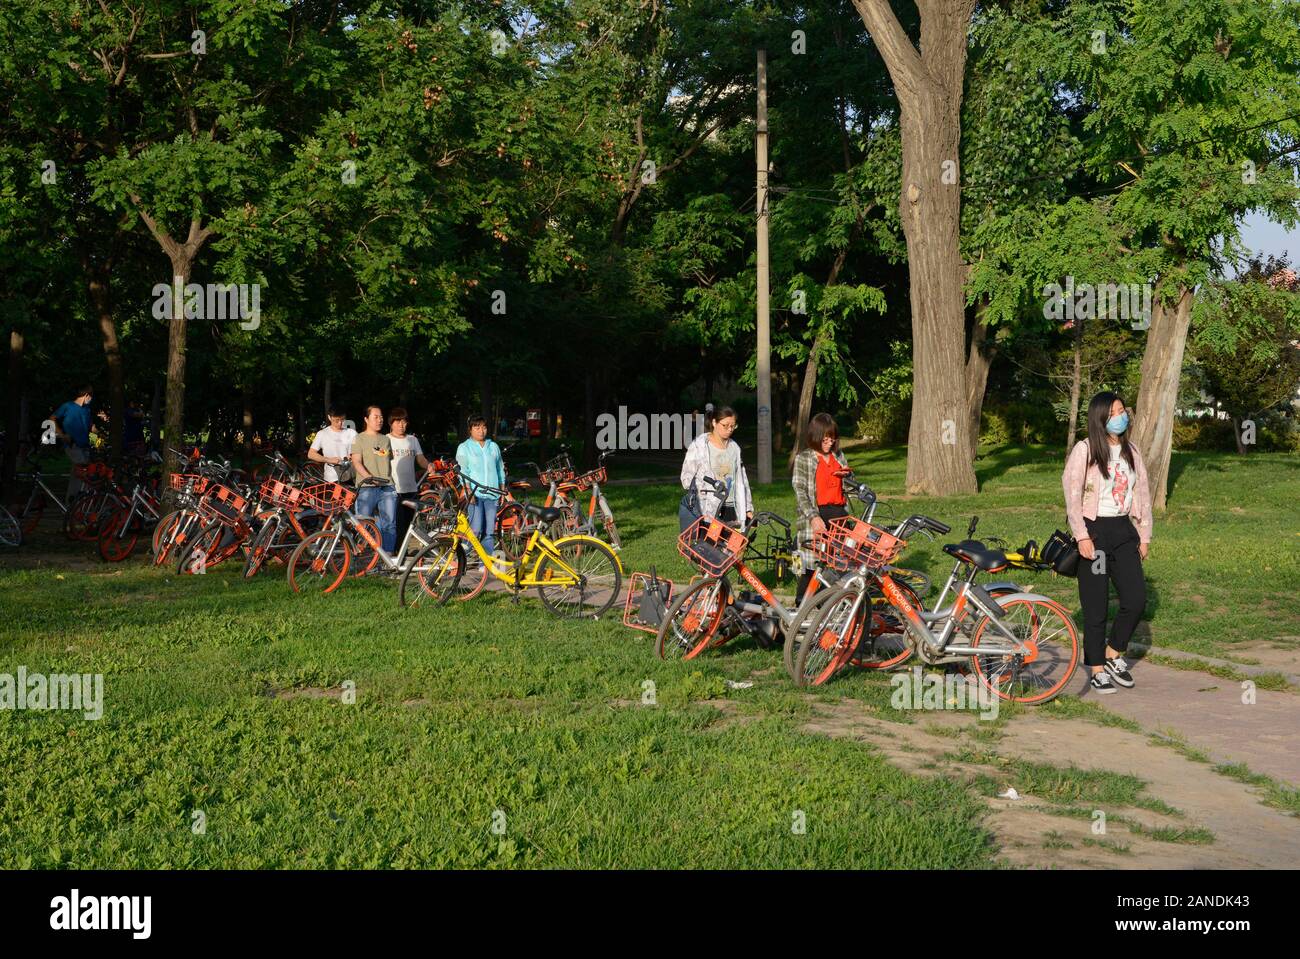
x: 1082, y: 485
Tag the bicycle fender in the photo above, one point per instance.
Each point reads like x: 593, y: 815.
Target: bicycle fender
x: 1004, y: 584
x: 581, y: 538
x: 1010, y: 596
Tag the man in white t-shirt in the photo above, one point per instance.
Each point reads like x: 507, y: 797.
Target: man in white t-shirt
x: 333, y: 445
x: 407, y: 455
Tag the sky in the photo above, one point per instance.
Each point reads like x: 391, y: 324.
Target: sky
x: 1264, y: 236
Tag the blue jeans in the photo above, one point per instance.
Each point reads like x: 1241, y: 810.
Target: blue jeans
x: 380, y: 502
x: 483, y: 520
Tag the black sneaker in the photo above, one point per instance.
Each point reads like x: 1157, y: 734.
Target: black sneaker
x: 1101, y: 684
x: 1118, y: 670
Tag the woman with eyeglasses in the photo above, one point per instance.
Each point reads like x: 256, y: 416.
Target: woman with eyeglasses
x: 714, y: 454
x: 1108, y: 504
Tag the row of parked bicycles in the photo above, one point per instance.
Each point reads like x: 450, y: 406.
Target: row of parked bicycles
x: 861, y: 609
x: 294, y: 519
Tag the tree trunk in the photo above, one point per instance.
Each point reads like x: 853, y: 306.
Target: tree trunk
x: 13, y: 408
x: 978, y: 360
x: 155, y: 414
x: 246, y: 428
x: 300, y: 429
x: 174, y: 415
x: 1076, y: 385
x: 1162, y: 364
x: 1236, y: 436
x: 929, y: 88
x: 182, y: 257
x: 98, y: 277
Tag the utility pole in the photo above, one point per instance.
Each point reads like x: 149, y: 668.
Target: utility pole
x: 763, y: 362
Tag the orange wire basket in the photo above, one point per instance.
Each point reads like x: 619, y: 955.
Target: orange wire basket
x: 712, y: 545
x: 587, y: 480
x: 329, y: 497
x: 276, y: 493
x: 848, y: 544
x: 188, y: 482
x: 221, y: 504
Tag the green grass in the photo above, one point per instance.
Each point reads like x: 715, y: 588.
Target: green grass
x: 492, y: 708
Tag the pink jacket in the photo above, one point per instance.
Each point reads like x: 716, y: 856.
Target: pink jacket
x: 1082, y: 485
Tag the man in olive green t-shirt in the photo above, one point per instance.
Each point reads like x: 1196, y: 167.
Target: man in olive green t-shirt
x: 372, y: 458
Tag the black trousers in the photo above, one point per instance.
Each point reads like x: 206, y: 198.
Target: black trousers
x: 1116, y: 560
x: 827, y: 513
x: 404, y: 516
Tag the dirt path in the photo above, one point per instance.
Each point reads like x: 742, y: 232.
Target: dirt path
x: 1030, y: 832
x: 1208, y: 713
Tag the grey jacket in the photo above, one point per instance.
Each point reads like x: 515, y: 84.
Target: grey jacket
x: 696, y: 465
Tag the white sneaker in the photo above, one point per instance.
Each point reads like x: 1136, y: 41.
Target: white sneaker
x: 1101, y: 683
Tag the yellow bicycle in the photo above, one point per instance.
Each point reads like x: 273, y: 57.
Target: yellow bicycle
x: 577, y: 577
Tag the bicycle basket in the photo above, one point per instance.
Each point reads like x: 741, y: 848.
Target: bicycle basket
x: 275, y: 493
x: 329, y: 497
x: 587, y: 480
x: 849, y: 543
x: 557, y: 469
x: 188, y: 483
x: 712, y: 545
x: 647, y: 601
x: 223, y: 505
x: 93, y: 472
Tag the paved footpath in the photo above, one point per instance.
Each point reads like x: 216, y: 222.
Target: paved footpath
x: 1208, y: 713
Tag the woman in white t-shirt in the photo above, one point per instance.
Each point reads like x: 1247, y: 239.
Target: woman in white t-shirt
x: 333, y: 445
x: 407, y: 455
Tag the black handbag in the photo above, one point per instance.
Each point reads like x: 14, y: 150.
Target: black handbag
x: 1061, y: 552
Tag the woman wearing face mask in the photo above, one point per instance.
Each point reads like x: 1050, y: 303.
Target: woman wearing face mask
x: 1108, y: 504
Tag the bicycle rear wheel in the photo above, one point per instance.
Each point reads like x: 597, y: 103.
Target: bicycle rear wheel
x: 693, y: 619
x: 1050, y: 657
x: 364, y: 555
x: 319, y: 563
x: 886, y: 644
x: 434, y: 574
x: 598, y: 579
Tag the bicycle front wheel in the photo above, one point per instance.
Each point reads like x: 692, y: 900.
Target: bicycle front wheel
x: 805, y: 616
x: 693, y: 619
x: 116, y: 540
x: 1049, y: 658
x: 434, y: 574
x: 263, y: 543
x: 320, y: 563
x: 586, y: 577
x: 833, y: 636
x: 11, y: 532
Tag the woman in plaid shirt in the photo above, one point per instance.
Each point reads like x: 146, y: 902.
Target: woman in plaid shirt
x: 818, y: 491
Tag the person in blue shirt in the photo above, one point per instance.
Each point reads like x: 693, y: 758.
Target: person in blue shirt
x: 480, y: 460
x: 72, y: 425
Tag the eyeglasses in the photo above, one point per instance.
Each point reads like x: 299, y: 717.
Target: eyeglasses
x: 726, y: 427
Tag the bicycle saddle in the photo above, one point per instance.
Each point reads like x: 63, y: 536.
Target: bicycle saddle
x: 971, y: 551
x: 547, y: 514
